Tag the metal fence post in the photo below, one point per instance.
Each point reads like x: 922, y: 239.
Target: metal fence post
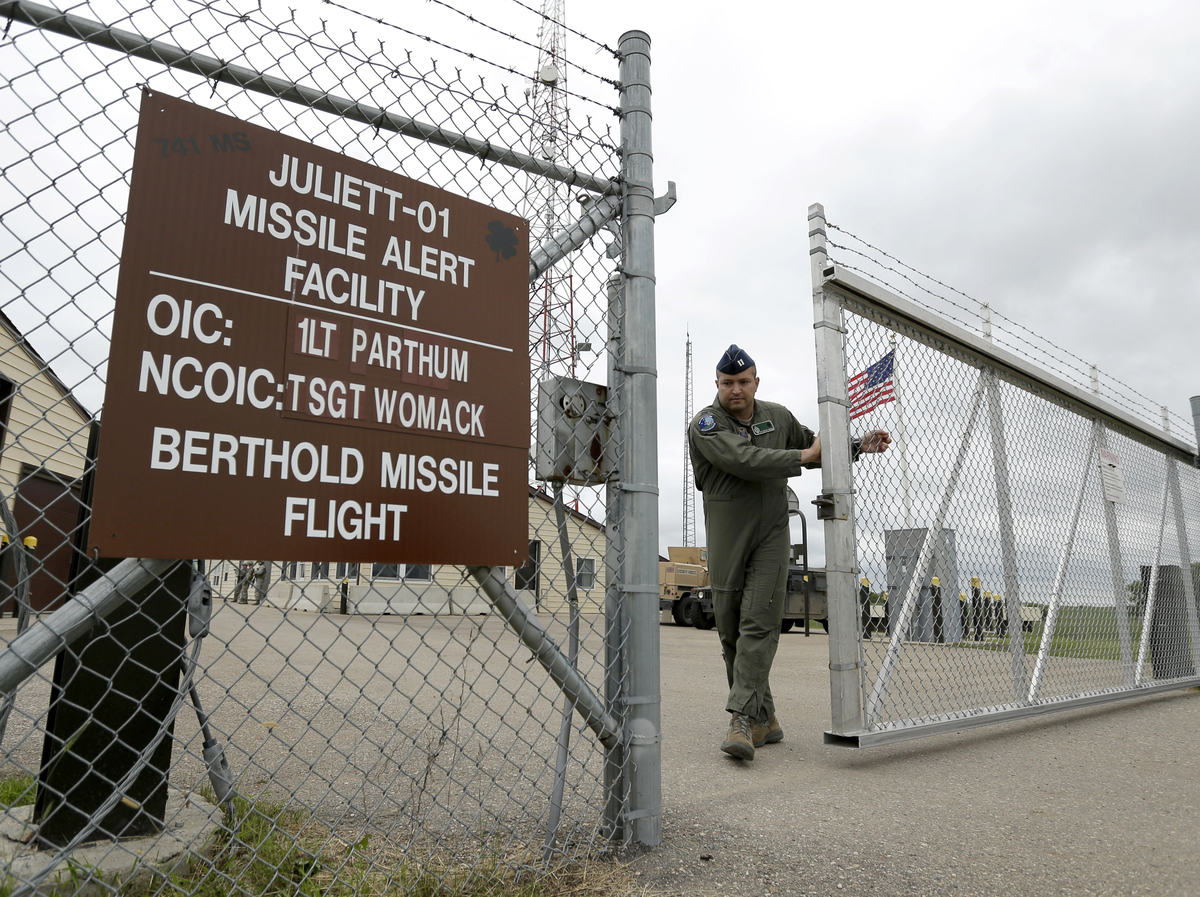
x: 1195, y: 400
x: 840, y: 574
x: 616, y: 629
x: 639, y: 480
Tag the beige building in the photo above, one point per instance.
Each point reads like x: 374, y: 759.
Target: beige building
x: 43, y: 456
x: 443, y: 589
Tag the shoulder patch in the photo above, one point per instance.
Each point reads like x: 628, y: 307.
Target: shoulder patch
x: 707, y: 423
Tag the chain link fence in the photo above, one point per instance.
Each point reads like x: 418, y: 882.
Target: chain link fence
x: 323, y: 726
x: 1027, y: 543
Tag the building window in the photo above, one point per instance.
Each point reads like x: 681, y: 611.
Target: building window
x: 7, y: 390
x: 347, y: 571
x: 418, y: 573
x: 289, y: 570
x: 585, y: 573
x: 320, y: 570
x: 405, y: 572
x: 526, y: 578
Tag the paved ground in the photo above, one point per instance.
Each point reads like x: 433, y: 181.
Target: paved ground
x: 1094, y: 801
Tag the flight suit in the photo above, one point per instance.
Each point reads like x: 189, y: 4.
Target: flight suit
x: 742, y: 471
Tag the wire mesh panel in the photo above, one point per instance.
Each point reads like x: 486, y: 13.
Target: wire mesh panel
x: 308, y: 723
x: 1025, y: 545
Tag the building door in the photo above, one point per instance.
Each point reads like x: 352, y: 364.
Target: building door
x: 47, y: 508
x: 527, y: 578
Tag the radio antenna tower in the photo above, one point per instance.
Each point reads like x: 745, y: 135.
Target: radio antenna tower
x: 552, y: 299
x: 689, y: 488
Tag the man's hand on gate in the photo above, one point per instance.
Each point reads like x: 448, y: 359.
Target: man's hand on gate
x: 875, y: 441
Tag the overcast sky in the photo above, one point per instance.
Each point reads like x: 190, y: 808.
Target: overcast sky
x: 1038, y: 156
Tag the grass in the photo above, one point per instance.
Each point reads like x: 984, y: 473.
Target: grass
x: 17, y: 791
x: 274, y: 850
x: 1081, y: 632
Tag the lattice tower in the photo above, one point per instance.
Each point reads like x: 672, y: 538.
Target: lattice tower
x: 552, y: 300
x: 689, y: 487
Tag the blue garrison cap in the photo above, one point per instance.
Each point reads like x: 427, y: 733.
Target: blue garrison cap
x: 734, y: 361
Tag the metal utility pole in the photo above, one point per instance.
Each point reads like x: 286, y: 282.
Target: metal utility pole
x: 639, y: 474
x: 689, y: 485
x: 1195, y: 400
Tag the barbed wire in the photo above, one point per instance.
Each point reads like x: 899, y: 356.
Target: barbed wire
x: 389, y: 67
x: 575, y: 65
x: 514, y: 108
x: 1084, y: 376
x: 1138, y: 410
x: 1020, y: 346
x: 564, y: 25
x: 379, y: 20
x: 906, y: 277
x: 900, y: 292
x: 1151, y: 404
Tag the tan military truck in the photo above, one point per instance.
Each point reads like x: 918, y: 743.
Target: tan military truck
x: 685, y: 594
x: 806, y: 601
x: 679, y: 579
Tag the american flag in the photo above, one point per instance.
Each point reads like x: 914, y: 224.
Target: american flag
x: 873, y: 387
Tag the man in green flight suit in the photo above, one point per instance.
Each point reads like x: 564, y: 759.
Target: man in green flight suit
x: 743, y: 451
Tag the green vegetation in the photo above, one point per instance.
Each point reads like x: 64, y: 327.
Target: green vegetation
x: 1081, y: 632
x: 17, y: 791
x: 1089, y: 632
x: 273, y: 850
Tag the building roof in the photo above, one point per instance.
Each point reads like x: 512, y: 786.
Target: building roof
x: 541, y: 493
x: 43, y: 367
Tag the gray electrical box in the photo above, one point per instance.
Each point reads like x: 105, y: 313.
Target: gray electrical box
x: 573, y: 432
x: 902, y: 548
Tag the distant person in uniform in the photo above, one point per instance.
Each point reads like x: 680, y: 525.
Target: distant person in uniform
x: 743, y: 450
x: 260, y: 581
x: 241, y: 591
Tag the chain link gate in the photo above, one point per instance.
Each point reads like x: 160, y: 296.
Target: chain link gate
x: 1025, y: 546
x: 368, y: 726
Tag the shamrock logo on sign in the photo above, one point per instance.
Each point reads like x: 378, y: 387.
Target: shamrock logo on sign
x: 502, y: 240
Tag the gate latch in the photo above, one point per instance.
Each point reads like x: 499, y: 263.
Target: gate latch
x: 832, y: 506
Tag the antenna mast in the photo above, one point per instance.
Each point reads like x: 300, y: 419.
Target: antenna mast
x: 689, y: 487
x: 552, y: 301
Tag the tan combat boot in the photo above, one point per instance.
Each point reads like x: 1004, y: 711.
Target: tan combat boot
x: 769, y: 732
x: 738, y: 742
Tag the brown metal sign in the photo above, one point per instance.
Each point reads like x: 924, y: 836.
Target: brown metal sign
x: 312, y: 358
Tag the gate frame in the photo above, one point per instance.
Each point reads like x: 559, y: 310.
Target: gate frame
x: 833, y: 288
